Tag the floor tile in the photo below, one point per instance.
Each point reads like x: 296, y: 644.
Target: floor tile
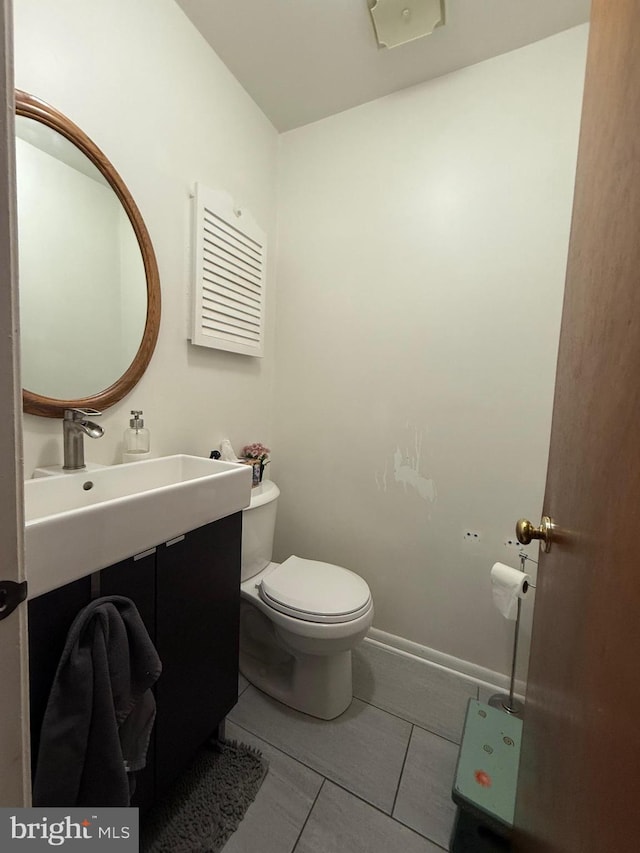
x: 424, y: 796
x: 341, y: 823
x: 363, y: 750
x: 435, y: 699
x: 274, y: 820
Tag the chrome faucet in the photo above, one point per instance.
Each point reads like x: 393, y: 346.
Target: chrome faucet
x: 75, y: 425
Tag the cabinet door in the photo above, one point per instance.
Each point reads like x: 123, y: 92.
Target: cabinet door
x: 197, y: 623
x: 135, y: 579
x: 50, y: 617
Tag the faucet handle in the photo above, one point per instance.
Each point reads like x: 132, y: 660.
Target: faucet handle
x: 80, y: 414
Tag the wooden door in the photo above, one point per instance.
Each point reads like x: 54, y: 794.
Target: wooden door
x: 579, y: 785
x: 14, y: 726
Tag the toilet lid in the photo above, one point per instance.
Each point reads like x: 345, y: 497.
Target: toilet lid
x: 316, y: 592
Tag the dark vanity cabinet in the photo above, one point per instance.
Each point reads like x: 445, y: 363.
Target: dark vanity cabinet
x: 197, y: 625
x: 50, y: 617
x: 188, y: 594
x: 135, y: 578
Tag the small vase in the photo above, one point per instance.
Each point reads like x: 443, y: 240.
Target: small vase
x: 257, y: 470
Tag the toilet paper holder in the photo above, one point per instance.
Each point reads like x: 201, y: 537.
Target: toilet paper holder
x: 510, y: 704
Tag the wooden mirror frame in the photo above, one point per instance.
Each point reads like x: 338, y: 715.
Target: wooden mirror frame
x: 50, y: 407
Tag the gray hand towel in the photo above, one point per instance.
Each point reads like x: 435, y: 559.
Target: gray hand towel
x: 100, y: 711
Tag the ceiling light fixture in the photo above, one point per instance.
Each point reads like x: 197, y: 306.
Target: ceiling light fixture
x: 398, y: 21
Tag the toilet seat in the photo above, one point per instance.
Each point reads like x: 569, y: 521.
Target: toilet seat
x: 315, y: 591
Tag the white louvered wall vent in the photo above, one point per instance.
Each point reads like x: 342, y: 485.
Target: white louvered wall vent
x: 228, y: 276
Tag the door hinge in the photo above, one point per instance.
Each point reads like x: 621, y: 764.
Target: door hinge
x: 11, y: 595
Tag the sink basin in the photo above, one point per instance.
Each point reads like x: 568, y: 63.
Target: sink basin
x: 76, y: 524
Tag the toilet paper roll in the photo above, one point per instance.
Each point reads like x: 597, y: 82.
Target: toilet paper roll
x: 507, y: 586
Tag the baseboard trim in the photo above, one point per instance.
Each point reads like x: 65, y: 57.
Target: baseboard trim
x: 486, y: 678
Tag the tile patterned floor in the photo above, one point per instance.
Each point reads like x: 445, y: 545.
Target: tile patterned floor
x: 367, y: 782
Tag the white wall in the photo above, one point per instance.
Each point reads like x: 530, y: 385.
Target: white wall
x: 422, y: 249
x: 143, y: 84
x: 422, y: 244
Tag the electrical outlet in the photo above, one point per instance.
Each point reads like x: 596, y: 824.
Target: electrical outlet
x: 472, y: 536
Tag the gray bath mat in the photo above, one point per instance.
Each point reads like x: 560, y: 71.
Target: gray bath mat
x: 207, y: 803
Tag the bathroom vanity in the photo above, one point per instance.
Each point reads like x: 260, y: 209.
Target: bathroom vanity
x: 164, y: 532
x: 187, y: 591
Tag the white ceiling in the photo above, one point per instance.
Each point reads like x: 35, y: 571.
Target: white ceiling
x: 302, y: 60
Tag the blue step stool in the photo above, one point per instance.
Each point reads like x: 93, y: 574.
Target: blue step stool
x: 484, y: 787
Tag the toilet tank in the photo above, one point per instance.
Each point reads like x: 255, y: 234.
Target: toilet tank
x: 258, y: 526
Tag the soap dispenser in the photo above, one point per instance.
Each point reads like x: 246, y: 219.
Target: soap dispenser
x: 137, y: 439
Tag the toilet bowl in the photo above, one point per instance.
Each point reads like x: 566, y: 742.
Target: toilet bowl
x: 299, y: 619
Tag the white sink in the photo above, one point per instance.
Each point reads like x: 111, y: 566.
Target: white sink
x: 79, y: 523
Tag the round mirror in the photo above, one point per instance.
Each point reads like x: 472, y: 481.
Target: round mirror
x: 89, y: 285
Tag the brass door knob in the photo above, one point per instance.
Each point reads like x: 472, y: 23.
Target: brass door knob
x: 525, y: 532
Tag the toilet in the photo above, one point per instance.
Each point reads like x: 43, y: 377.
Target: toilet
x: 299, y: 619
